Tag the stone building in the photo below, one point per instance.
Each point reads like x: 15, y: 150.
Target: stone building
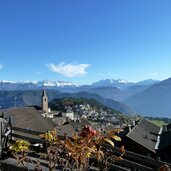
x: 44, y: 101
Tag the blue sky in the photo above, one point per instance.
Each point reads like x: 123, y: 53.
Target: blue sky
x: 85, y: 40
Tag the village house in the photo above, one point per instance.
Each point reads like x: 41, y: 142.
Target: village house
x: 164, y: 146
x: 141, y: 138
x: 68, y: 114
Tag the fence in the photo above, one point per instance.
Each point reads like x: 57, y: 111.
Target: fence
x: 29, y: 135
x: 136, y: 161
x: 131, y: 161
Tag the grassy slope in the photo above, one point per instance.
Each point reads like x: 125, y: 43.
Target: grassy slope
x: 158, y: 122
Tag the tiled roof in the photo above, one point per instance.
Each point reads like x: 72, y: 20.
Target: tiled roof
x: 30, y: 118
x: 145, y: 133
x: 59, y: 120
x: 71, y: 127
x: 66, y: 129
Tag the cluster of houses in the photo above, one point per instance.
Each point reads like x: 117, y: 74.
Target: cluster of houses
x: 78, y: 113
x: 142, y: 136
x: 91, y: 114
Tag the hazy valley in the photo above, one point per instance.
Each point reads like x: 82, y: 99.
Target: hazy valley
x: 148, y: 97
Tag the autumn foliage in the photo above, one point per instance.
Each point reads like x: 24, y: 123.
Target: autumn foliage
x: 78, y: 150
x: 19, y: 150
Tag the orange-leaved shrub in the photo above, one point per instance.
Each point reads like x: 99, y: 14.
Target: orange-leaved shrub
x: 75, y: 153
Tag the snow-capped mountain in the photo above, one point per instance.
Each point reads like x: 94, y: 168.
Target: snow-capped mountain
x: 122, y: 83
x: 119, y: 83
x: 24, y: 85
x: 47, y: 83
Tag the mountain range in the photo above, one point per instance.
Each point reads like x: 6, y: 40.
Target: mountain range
x: 27, y: 85
x: 149, y: 97
x: 153, y: 101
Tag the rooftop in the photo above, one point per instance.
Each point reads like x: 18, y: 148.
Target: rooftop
x: 145, y: 133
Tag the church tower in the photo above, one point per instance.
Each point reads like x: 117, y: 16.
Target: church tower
x: 44, y: 101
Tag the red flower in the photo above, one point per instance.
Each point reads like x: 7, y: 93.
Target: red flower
x: 88, y: 131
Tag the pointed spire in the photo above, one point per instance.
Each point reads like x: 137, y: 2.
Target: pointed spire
x: 44, y: 92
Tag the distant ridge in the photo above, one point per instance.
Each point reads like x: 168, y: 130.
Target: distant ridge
x: 153, y: 101
x: 122, y: 83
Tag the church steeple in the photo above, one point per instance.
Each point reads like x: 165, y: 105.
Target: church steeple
x: 44, y: 101
x: 44, y: 93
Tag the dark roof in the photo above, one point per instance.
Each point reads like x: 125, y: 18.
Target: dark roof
x: 71, y: 127
x: 165, y: 140
x: 44, y: 92
x: 69, y: 110
x: 67, y: 129
x: 169, y: 127
x: 36, y: 107
x: 79, y: 125
x: 111, y: 127
x: 145, y: 133
x: 84, y: 121
x: 30, y: 118
x: 59, y: 120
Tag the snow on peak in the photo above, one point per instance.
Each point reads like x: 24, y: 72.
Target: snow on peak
x: 45, y: 83
x: 57, y: 83
x: 6, y: 81
x: 122, y: 81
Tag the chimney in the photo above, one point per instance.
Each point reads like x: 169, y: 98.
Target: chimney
x: 164, y: 128
x: 129, y: 128
x: 133, y: 123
